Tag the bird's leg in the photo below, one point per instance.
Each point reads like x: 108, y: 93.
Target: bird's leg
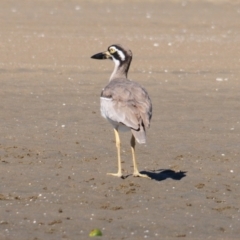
x: 119, y: 173
x: 136, y: 173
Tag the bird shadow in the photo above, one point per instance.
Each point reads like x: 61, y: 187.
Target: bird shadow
x: 163, y: 174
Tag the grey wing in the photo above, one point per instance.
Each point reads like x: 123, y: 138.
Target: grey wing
x: 144, y: 106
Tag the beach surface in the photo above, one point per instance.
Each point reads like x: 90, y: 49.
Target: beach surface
x: 55, y: 148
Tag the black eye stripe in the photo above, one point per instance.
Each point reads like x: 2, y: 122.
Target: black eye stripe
x: 119, y: 55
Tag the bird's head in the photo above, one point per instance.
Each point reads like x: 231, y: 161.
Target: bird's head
x: 115, y: 52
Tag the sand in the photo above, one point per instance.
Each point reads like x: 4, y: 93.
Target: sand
x: 55, y: 148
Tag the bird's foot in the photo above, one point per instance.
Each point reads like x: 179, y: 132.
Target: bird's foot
x: 138, y: 174
x: 119, y: 174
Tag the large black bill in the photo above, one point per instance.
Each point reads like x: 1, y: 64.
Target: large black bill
x: 99, y: 56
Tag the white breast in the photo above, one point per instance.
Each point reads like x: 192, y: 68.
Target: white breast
x: 109, y: 112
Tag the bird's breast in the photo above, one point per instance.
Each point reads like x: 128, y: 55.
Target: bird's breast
x: 104, y: 106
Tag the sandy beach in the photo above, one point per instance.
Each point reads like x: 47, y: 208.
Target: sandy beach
x: 55, y: 148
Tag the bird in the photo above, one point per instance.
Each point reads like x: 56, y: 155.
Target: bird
x: 124, y: 103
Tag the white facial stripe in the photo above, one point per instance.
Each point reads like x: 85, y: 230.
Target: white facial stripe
x: 121, y: 55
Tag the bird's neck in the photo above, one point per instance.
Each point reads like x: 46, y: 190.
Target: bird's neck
x: 120, y: 70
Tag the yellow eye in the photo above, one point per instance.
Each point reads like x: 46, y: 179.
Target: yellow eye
x: 111, y: 50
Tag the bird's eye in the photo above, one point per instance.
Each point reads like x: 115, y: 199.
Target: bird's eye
x: 111, y: 50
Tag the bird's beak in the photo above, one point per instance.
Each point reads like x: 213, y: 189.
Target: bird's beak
x: 102, y: 55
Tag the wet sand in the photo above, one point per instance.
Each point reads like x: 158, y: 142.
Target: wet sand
x: 55, y: 148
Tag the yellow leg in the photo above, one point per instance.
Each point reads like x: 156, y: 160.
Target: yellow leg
x: 119, y: 173
x: 136, y: 173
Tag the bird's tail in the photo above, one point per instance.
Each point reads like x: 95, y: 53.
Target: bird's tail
x: 140, y: 135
